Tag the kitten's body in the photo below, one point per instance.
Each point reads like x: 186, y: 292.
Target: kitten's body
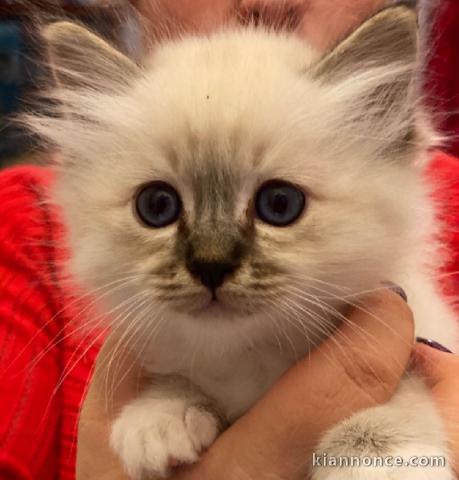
x: 216, y: 118
x: 237, y: 377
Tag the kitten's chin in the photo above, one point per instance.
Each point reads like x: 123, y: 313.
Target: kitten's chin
x: 214, y: 309
x: 222, y: 308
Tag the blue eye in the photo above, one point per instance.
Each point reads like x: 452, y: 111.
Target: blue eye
x: 158, y: 205
x: 279, y: 203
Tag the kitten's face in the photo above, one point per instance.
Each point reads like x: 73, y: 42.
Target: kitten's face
x: 235, y: 179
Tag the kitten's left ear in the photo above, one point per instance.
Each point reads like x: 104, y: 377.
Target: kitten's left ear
x: 81, y: 59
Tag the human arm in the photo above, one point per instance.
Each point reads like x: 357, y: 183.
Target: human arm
x: 255, y: 446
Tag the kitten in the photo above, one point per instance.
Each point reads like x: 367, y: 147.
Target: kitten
x: 242, y: 189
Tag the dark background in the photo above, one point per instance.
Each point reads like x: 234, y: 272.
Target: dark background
x: 21, y: 65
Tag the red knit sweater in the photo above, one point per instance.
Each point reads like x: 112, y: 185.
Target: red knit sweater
x: 38, y: 416
x: 443, y: 70
x: 43, y: 370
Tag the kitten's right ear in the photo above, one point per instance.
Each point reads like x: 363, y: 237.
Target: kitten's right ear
x: 389, y: 37
x: 80, y: 59
x: 374, y: 70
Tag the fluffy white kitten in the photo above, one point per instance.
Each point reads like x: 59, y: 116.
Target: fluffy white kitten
x: 246, y: 188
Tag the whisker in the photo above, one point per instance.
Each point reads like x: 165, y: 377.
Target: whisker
x: 337, y: 314
x: 95, y: 323
x: 123, y: 282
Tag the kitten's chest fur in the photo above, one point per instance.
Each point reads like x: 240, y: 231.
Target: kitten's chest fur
x: 236, y: 378
x: 235, y: 382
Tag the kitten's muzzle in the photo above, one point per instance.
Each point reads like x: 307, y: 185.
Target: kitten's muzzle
x: 213, y: 252
x: 211, y: 274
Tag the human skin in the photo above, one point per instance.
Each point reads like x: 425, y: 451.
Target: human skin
x: 321, y: 22
x: 441, y: 372
x: 359, y: 367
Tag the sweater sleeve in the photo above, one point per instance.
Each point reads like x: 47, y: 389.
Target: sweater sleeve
x: 443, y: 173
x: 44, y: 366
x: 442, y: 71
x: 30, y: 329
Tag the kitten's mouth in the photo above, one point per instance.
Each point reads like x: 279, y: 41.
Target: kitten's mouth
x: 222, y: 304
x: 215, y: 305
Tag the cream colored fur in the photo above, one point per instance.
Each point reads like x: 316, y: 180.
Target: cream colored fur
x: 261, y: 105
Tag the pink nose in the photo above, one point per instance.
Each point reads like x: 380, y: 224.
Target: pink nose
x: 272, y: 13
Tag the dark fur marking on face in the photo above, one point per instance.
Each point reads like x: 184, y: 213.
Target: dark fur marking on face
x: 214, y: 191
x: 166, y: 270
x: 171, y: 287
x: 263, y: 286
x: 215, y: 235
x: 264, y: 270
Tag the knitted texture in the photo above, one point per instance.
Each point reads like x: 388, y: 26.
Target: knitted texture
x: 43, y: 367
x: 442, y: 89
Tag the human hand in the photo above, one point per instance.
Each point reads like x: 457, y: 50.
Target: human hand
x: 358, y: 367
x: 441, y: 372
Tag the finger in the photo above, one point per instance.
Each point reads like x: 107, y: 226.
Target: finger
x: 360, y: 368
x: 116, y: 381
x: 435, y: 366
x: 441, y: 373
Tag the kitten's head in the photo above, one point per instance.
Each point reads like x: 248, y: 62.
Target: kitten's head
x: 238, y: 178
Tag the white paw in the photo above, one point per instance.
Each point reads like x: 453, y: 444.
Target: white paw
x: 401, y: 440
x: 152, y: 436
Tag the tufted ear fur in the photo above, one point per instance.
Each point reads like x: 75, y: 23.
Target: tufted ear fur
x: 389, y: 37
x: 91, y: 78
x: 375, y: 67
x: 80, y: 59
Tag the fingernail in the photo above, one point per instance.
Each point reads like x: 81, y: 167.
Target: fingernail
x: 396, y: 289
x: 433, y: 344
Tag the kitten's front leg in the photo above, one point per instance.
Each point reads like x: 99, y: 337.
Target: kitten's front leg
x: 407, y: 428
x: 170, y: 424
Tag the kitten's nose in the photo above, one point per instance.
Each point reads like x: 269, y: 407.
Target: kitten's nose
x: 211, y: 274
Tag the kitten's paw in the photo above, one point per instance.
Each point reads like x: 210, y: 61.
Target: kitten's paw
x: 152, y: 436
x: 401, y: 440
